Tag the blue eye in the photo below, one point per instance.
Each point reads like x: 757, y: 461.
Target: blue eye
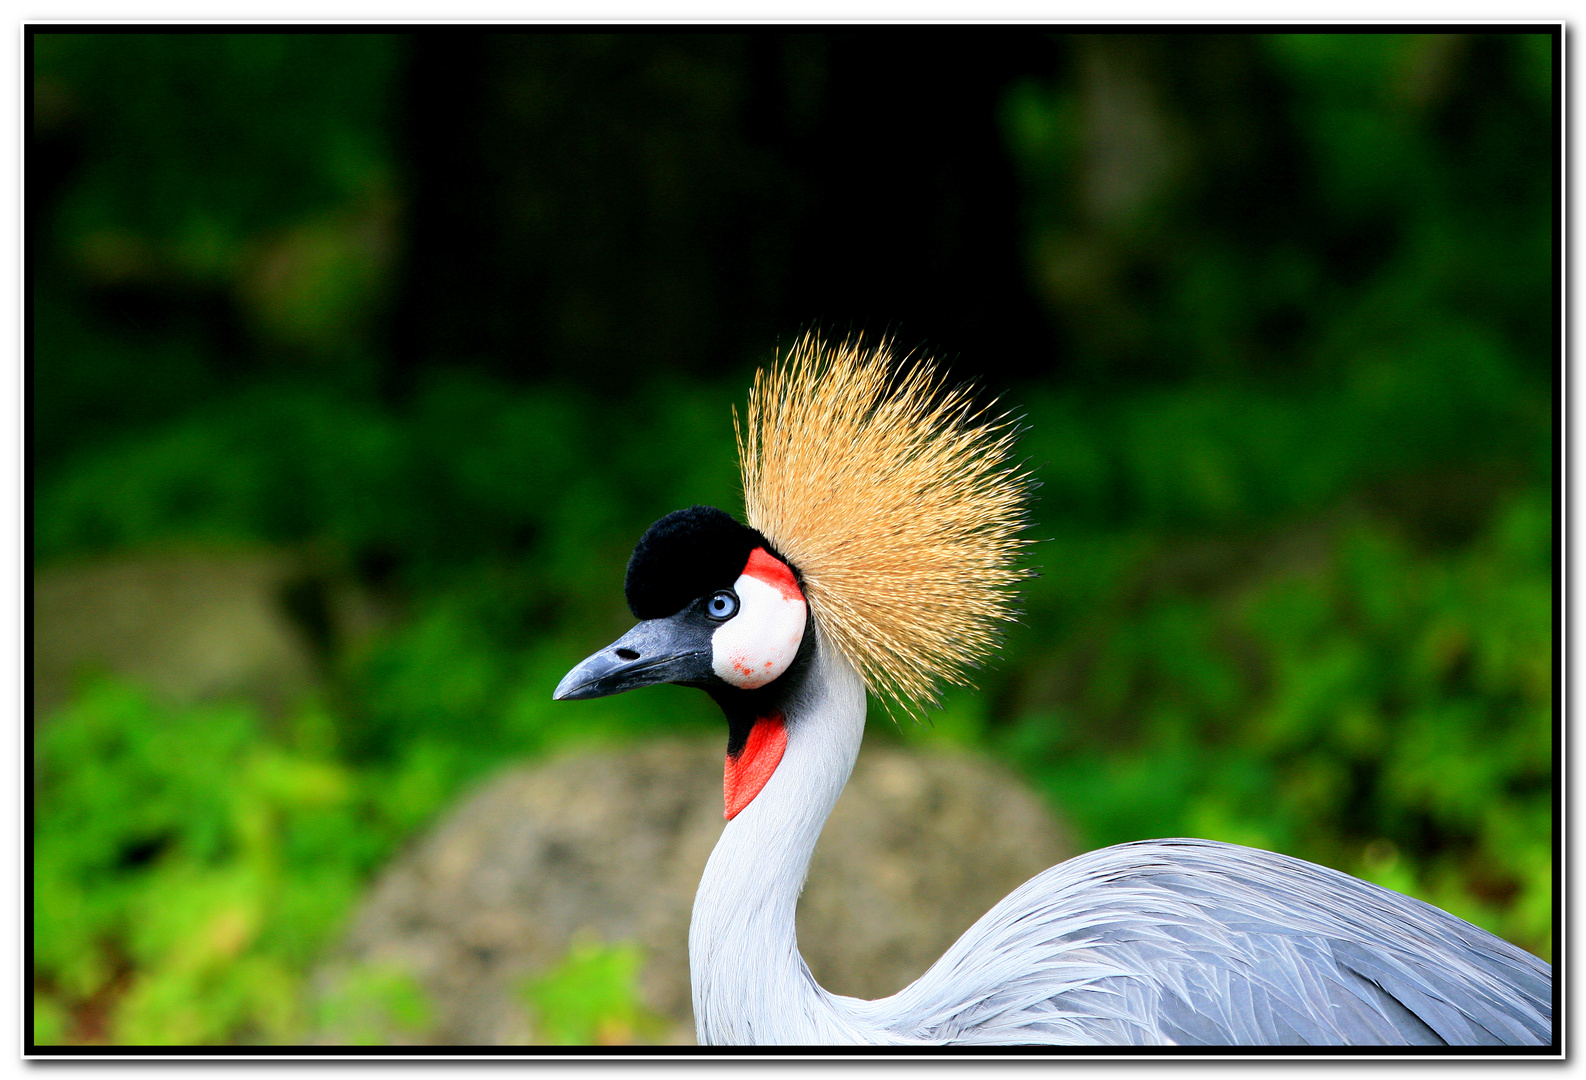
x: 722, y: 605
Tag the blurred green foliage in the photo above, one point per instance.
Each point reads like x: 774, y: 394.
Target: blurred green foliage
x: 1303, y: 599
x: 370, y: 1003
x: 1296, y: 523
x: 1385, y: 712
x: 592, y: 998
x: 187, y: 868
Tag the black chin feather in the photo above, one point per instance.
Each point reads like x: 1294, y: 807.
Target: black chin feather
x: 744, y: 708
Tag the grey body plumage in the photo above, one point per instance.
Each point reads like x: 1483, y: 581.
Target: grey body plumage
x: 1196, y: 942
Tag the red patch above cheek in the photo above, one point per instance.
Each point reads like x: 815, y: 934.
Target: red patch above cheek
x: 765, y: 567
x: 748, y: 772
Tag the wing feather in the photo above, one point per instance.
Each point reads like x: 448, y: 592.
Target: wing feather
x: 1197, y: 942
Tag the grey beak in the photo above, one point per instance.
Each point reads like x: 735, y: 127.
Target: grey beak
x: 673, y: 650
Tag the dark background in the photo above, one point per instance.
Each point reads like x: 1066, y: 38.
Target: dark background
x: 446, y: 319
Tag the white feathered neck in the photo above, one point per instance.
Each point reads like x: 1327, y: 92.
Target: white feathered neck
x: 750, y: 984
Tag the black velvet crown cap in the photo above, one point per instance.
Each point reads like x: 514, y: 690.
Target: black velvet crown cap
x: 687, y: 554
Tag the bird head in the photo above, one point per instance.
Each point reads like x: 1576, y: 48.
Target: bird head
x: 719, y: 608
x: 881, y: 509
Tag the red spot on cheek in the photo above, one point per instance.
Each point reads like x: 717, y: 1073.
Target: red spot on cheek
x: 774, y: 572
x: 747, y: 773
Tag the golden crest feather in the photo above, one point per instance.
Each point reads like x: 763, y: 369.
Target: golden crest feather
x: 897, y: 502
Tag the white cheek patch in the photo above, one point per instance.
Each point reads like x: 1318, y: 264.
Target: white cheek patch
x: 757, y: 644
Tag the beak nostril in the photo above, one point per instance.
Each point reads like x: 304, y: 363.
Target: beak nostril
x: 627, y: 654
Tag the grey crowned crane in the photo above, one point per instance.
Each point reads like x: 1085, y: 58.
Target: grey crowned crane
x: 880, y: 553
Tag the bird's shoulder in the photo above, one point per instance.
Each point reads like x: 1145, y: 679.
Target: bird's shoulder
x: 1194, y: 941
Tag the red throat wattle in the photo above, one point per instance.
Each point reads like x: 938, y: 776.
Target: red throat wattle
x: 748, y: 772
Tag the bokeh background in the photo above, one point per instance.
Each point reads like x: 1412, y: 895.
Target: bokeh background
x: 413, y: 335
